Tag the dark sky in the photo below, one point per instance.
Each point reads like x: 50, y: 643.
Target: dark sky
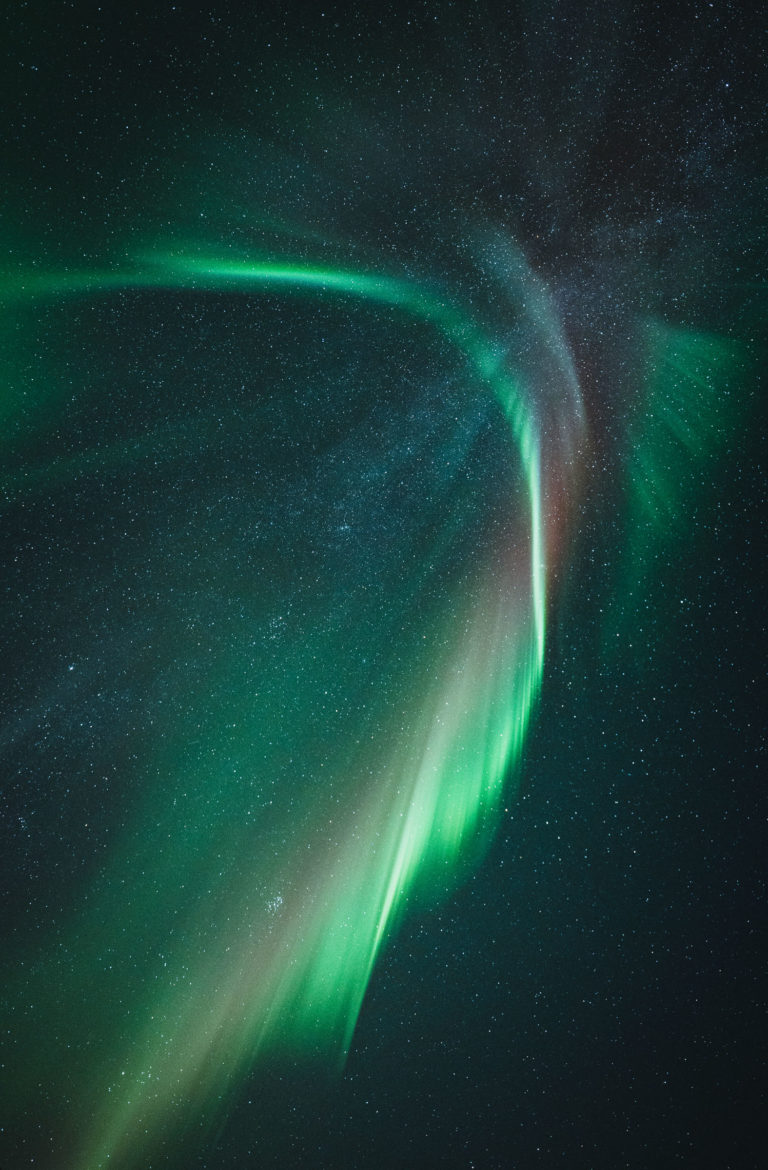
x: 589, y: 991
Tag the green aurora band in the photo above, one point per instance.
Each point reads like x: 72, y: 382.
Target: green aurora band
x: 216, y: 938
x: 277, y: 952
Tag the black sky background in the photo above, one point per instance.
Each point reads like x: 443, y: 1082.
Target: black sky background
x: 594, y: 996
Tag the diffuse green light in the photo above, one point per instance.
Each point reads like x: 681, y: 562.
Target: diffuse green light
x: 687, y: 416
x: 280, y: 944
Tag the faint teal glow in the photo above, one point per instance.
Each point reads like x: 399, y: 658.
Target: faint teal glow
x: 689, y: 414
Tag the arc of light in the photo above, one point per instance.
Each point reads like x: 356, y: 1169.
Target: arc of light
x: 430, y: 827
x: 167, y: 271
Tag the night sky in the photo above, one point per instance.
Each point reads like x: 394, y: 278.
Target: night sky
x: 382, y: 528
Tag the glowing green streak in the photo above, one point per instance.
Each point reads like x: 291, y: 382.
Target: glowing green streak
x: 418, y: 838
x: 297, y: 981
x: 169, y: 271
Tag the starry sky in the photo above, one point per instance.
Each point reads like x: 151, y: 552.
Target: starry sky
x: 382, y: 506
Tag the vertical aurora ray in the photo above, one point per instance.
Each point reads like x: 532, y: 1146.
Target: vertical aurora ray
x: 269, y: 940
x: 690, y: 414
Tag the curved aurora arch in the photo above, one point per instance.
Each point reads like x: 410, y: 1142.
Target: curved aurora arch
x: 289, y: 972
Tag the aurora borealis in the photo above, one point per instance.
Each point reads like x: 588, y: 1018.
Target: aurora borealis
x: 376, y: 420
